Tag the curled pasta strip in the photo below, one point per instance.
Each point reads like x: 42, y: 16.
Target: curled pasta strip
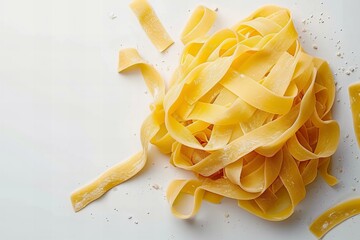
x: 123, y: 171
x: 247, y: 111
x: 334, y: 216
x: 199, y: 24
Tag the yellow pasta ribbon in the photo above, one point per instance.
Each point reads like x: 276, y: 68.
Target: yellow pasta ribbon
x: 247, y: 111
x: 123, y: 171
x: 199, y: 24
x: 151, y: 24
x: 334, y: 216
x: 354, y: 94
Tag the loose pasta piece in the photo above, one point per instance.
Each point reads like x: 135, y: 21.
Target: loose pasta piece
x: 334, y: 216
x: 354, y: 94
x: 151, y: 24
x: 125, y: 170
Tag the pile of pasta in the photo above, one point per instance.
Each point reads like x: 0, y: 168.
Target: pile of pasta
x: 247, y: 111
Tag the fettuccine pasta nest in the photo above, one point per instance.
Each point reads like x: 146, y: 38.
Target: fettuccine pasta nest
x: 247, y: 111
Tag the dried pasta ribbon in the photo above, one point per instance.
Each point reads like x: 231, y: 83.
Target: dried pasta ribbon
x: 199, y: 24
x: 151, y: 24
x: 123, y: 171
x: 334, y: 216
x: 354, y: 94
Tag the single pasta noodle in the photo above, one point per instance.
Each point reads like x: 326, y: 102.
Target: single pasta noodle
x: 334, y: 216
x: 151, y: 24
x: 354, y: 94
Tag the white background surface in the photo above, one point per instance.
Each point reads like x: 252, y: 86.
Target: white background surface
x: 66, y: 115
